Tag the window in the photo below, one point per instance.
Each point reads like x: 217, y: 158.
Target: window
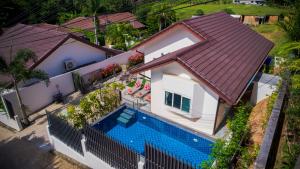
x: 168, y: 98
x: 185, y: 104
x: 177, y: 101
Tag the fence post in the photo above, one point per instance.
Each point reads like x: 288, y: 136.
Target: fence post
x: 83, y: 140
x: 141, y: 163
x: 19, y: 122
x: 49, y: 135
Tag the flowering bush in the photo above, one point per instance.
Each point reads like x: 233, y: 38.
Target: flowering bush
x: 110, y: 70
x: 135, y: 59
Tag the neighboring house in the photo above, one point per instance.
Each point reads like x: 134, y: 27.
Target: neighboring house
x: 57, y: 51
x: 86, y: 23
x: 200, y: 68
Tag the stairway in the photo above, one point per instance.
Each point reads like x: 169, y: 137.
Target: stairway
x: 126, y: 118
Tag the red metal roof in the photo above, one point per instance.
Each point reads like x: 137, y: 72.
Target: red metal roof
x: 87, y: 23
x: 226, y: 60
x: 41, y: 39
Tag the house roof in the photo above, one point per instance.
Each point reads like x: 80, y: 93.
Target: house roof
x: 88, y: 24
x: 39, y: 39
x: 226, y: 60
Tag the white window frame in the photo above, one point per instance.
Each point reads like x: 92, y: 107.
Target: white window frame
x: 179, y: 109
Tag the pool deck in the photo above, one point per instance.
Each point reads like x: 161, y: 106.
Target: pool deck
x: 196, y: 126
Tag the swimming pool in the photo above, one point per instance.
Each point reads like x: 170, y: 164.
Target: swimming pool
x: 176, y: 141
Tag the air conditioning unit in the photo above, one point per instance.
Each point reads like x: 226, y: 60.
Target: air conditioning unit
x: 70, y: 64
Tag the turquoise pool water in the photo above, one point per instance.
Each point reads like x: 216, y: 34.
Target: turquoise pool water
x: 175, y: 140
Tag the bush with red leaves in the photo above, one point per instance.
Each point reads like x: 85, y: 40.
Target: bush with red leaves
x: 135, y: 59
x: 110, y: 70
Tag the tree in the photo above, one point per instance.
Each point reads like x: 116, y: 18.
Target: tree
x: 95, y: 105
x: 121, y: 35
x: 160, y: 17
x: 292, y: 24
x: 91, y: 8
x: 18, y: 72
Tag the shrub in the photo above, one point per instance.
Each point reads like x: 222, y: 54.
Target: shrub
x: 110, y: 70
x: 224, y: 150
x: 95, y: 105
x: 135, y: 59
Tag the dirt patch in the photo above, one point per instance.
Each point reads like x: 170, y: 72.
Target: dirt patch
x: 257, y: 122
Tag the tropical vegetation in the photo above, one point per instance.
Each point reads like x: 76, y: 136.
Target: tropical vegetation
x: 94, y: 105
x: 224, y: 150
x: 18, y: 72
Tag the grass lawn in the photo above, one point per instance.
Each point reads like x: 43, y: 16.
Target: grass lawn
x: 274, y: 33
x: 237, y: 9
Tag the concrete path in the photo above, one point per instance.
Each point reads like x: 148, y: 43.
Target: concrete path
x: 29, y: 149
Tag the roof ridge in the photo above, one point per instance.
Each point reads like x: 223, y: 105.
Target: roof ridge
x: 203, y: 16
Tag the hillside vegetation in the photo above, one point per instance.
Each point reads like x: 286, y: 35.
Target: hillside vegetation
x: 188, y: 12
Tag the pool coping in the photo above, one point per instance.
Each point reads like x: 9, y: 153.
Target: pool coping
x: 186, y: 129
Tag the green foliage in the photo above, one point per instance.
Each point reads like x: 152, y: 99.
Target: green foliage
x: 248, y: 155
x: 199, y: 12
x: 17, y: 68
x: 159, y: 17
x: 95, y: 105
x: 270, y: 105
x: 223, y: 150
x: 292, y: 24
x: 186, y: 13
x: 121, y: 35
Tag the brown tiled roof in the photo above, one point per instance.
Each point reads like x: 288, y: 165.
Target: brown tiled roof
x: 41, y: 40
x: 226, y: 60
x: 88, y: 24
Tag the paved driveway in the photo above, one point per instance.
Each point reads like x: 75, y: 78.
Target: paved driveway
x: 29, y: 149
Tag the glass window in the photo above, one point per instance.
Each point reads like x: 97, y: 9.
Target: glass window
x: 185, y: 104
x: 168, y: 98
x: 177, y: 101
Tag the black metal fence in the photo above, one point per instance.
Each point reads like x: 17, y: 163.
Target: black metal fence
x: 157, y: 159
x: 110, y: 151
x: 65, y: 132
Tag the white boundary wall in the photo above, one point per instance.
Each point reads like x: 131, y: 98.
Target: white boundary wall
x: 87, y: 158
x: 38, y: 96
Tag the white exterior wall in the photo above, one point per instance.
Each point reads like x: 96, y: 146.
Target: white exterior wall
x: 87, y: 158
x: 204, y: 102
x: 39, y: 95
x: 80, y: 52
x: 170, y: 41
x: 264, y: 87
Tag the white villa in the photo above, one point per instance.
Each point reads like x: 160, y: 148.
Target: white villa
x: 200, y: 68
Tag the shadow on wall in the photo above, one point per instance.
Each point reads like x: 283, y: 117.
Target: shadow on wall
x: 16, y: 153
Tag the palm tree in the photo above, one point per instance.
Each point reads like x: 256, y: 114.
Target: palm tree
x: 91, y: 7
x: 18, y: 72
x: 160, y: 17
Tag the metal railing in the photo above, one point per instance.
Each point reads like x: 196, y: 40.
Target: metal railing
x: 158, y: 159
x: 109, y: 150
x: 65, y: 132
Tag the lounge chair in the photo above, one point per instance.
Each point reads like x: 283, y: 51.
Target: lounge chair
x: 148, y: 97
x: 137, y: 86
x: 144, y: 91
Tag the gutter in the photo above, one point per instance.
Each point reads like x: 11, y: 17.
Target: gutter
x: 249, y: 83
